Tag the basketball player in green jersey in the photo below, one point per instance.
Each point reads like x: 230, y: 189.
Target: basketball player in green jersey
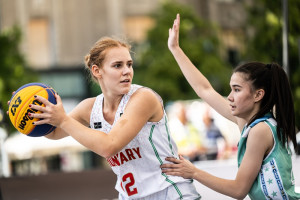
x: 260, y: 103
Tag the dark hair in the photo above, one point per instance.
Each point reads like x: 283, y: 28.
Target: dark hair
x: 277, y: 99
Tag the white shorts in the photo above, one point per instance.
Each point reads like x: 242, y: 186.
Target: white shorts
x: 186, y: 191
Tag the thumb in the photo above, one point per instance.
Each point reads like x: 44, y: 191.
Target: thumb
x: 58, y: 99
x: 181, y: 157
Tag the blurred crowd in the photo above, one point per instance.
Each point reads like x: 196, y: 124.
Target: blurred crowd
x: 197, y: 135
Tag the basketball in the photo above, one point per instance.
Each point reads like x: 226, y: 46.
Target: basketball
x: 19, y: 108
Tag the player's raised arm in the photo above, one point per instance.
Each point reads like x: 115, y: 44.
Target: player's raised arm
x: 199, y: 83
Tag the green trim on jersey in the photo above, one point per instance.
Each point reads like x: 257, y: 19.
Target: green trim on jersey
x: 153, y: 146
x: 174, y: 185
x: 161, y: 162
x: 169, y: 137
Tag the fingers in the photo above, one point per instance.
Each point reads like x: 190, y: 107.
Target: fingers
x: 40, y: 122
x: 181, y: 157
x: 42, y: 100
x: 176, y: 23
x: 178, y: 19
x: 170, y: 171
x: 58, y: 99
x: 44, y: 110
x: 8, y: 102
x: 38, y: 107
x: 172, y: 159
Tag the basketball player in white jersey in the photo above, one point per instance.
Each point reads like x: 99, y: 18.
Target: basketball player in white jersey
x: 126, y: 124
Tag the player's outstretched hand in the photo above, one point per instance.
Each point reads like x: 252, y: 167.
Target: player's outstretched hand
x: 173, y: 40
x: 179, y: 167
x: 51, y: 113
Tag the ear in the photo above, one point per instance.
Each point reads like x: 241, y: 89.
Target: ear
x: 259, y: 94
x: 96, y: 71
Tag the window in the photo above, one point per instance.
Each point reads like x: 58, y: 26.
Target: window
x: 136, y: 27
x: 38, y: 43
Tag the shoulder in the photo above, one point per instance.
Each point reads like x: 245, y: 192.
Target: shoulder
x: 260, y: 136
x: 260, y: 130
x: 147, y: 103
x: 146, y: 94
x: 87, y: 103
x: 83, y: 110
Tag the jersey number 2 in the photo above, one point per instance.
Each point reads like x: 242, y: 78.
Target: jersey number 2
x: 131, y: 182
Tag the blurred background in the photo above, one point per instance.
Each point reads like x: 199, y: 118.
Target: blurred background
x: 46, y: 41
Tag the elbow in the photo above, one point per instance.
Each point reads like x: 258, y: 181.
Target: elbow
x: 108, y: 153
x: 107, y: 150
x: 52, y: 136
x: 240, y: 194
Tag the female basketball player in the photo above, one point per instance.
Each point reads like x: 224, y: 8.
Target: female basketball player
x: 128, y: 126
x: 260, y: 103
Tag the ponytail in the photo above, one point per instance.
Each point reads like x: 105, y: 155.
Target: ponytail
x: 277, y: 99
x: 284, y: 105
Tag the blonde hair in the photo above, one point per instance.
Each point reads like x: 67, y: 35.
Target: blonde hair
x: 98, y: 52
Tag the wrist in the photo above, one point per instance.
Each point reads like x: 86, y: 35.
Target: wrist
x: 195, y: 173
x: 175, y: 50
x: 64, y: 122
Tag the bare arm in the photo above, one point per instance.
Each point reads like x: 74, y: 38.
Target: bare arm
x: 80, y: 113
x: 258, y: 144
x: 199, y: 83
x: 143, y: 106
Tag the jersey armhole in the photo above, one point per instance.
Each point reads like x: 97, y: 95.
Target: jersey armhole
x: 273, y: 136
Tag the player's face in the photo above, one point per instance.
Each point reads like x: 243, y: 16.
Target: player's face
x: 117, y: 72
x: 241, y: 97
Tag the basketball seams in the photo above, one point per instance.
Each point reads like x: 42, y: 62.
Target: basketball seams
x: 20, y: 109
x: 49, y: 89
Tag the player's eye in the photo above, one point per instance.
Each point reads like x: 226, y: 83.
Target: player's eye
x: 117, y: 65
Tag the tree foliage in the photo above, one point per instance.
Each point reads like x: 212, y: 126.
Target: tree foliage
x: 264, y: 43
x: 156, y: 67
x: 13, y: 70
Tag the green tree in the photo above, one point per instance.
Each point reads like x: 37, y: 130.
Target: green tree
x: 13, y: 70
x: 264, y: 43
x: 156, y: 67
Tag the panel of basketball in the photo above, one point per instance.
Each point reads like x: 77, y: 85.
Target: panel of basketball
x: 19, y: 109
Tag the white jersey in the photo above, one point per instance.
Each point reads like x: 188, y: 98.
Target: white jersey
x: 137, y: 165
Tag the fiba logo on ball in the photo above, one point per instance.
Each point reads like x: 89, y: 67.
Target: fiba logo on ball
x: 19, y: 109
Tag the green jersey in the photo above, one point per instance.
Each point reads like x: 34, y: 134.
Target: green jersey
x: 275, y: 179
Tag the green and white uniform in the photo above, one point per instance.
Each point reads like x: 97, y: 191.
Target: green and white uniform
x: 275, y: 179
x: 137, y: 165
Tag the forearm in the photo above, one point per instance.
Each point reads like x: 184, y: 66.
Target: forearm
x: 95, y: 140
x: 57, y: 134
x: 227, y: 187
x: 199, y: 83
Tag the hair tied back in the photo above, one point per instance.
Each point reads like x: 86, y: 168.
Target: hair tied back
x: 269, y: 66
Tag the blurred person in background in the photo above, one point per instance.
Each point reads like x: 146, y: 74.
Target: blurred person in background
x: 187, y: 137
x: 216, y: 144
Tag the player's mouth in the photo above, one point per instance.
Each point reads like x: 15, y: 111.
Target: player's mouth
x: 126, y: 81
x: 232, y: 107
